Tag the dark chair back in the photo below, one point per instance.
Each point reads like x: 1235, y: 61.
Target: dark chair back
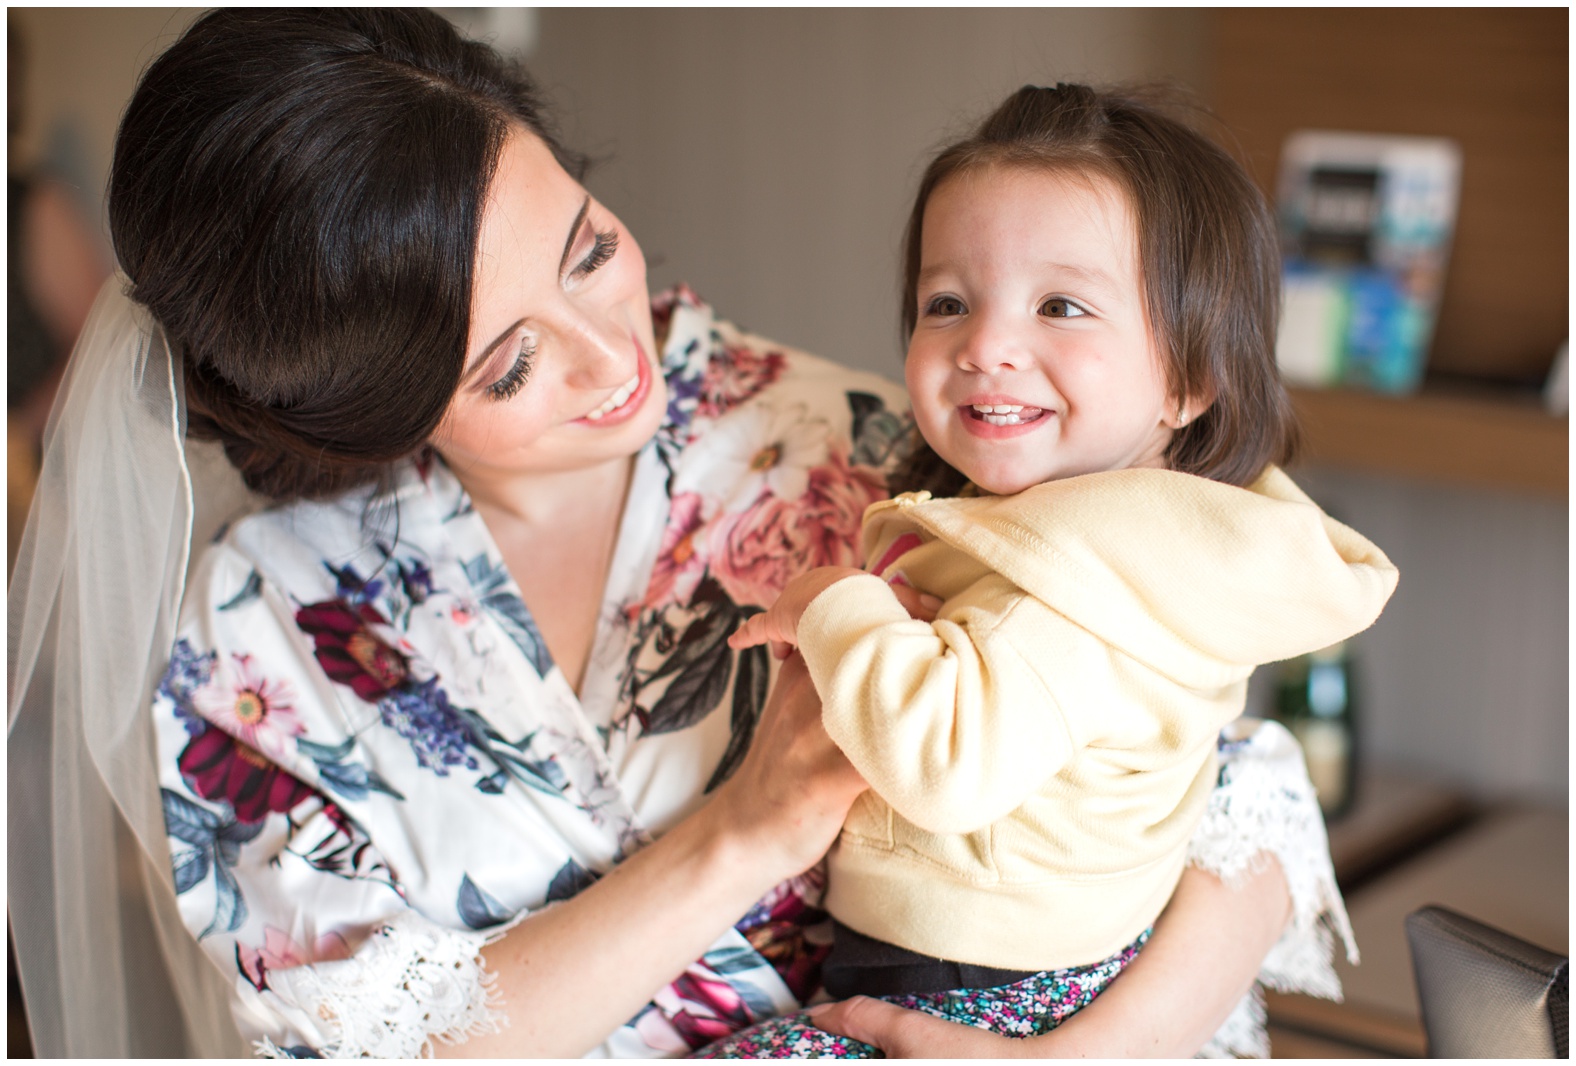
x: 1485, y: 993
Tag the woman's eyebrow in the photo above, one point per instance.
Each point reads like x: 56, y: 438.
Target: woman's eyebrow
x: 481, y: 360
x: 569, y: 244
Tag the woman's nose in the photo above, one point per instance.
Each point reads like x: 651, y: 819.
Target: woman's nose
x: 604, y: 354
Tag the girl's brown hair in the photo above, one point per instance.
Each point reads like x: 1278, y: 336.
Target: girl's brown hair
x: 1208, y: 257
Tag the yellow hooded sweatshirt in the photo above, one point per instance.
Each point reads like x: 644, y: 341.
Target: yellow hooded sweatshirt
x: 1041, y: 753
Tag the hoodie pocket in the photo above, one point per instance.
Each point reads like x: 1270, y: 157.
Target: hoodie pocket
x: 965, y: 856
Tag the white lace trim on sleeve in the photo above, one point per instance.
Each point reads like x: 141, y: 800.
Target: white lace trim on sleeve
x: 1265, y: 805
x: 411, y: 983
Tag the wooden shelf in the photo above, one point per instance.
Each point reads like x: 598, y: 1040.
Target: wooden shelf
x: 1441, y: 434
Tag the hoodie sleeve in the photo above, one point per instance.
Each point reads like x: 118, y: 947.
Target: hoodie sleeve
x: 947, y: 720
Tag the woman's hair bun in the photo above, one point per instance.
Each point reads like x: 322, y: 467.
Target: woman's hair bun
x: 271, y: 459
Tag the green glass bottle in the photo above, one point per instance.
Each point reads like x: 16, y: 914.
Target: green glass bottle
x: 1314, y: 699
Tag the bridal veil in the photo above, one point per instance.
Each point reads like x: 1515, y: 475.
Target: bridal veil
x: 107, y: 968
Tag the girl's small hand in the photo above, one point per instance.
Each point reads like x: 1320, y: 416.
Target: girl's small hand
x: 779, y: 625
x: 757, y: 629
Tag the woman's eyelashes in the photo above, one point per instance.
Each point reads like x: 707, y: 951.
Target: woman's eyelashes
x: 516, y: 375
x: 602, y: 249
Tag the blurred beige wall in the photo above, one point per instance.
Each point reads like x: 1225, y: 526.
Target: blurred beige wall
x: 80, y: 66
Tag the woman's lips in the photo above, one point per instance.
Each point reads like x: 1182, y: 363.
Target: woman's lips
x: 626, y: 399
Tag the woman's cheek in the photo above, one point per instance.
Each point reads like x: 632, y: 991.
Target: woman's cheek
x: 487, y: 427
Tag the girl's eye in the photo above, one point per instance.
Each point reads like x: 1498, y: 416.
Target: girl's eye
x: 1057, y: 307
x: 602, y: 249
x: 945, y: 306
x: 511, y: 382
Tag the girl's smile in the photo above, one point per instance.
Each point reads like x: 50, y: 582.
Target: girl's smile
x: 994, y: 417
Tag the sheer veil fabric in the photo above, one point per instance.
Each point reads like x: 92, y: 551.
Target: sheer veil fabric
x: 107, y: 968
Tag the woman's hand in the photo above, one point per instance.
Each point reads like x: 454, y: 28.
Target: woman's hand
x: 912, y: 1034
x: 1203, y: 958
x: 792, y: 792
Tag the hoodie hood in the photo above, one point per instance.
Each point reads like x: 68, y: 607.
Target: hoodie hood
x: 1199, y: 579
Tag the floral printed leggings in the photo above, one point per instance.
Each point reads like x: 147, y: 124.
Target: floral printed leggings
x: 1029, y: 1007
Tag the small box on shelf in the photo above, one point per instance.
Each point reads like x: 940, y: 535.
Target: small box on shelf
x: 1366, y: 221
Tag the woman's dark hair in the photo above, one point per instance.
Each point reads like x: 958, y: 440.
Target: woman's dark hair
x: 296, y: 196
x: 1208, y: 257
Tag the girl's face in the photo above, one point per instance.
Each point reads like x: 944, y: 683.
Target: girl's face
x: 560, y: 370
x: 1032, y: 357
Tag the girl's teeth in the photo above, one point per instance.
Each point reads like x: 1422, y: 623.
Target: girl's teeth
x: 1005, y: 414
x: 617, y: 400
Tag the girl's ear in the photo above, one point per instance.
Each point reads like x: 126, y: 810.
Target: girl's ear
x: 1188, y: 407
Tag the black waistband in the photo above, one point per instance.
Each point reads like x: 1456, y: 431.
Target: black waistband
x: 864, y: 966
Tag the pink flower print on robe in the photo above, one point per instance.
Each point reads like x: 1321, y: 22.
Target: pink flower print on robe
x: 737, y: 375
x: 251, y: 708
x: 755, y: 553
x: 695, y: 1010
x: 680, y: 565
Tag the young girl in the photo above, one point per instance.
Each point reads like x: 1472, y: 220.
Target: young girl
x: 1090, y: 299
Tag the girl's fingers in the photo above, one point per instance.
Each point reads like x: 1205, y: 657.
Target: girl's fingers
x: 755, y: 631
x: 751, y: 633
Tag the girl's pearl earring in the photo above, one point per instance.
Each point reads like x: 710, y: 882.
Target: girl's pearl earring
x: 1181, y: 416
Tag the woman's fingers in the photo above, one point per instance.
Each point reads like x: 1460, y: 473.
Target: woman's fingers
x: 910, y: 1034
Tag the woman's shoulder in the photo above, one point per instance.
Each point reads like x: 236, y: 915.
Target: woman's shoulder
x: 308, y: 546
